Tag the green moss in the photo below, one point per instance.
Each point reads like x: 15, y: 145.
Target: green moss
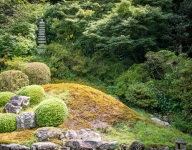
x: 5, y: 97
x: 12, y: 80
x: 7, y: 122
x: 156, y: 136
x: 153, y: 136
x: 51, y: 112
x: 35, y: 92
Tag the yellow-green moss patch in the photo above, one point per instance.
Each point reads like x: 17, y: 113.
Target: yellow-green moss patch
x: 18, y: 137
x: 89, y: 105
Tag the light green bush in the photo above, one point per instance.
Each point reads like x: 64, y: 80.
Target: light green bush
x: 35, y: 92
x: 12, y: 80
x: 7, y: 122
x: 51, y: 112
x: 5, y: 97
x: 38, y: 73
x: 18, y: 63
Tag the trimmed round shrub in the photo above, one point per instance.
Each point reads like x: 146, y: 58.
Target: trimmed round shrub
x: 38, y: 73
x: 7, y: 122
x: 12, y: 80
x: 5, y: 97
x: 35, y: 92
x: 51, y: 112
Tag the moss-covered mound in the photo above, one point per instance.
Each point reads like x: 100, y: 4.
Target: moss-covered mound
x: 51, y: 112
x: 90, y: 108
x: 35, y: 92
x: 7, y: 122
x: 5, y: 97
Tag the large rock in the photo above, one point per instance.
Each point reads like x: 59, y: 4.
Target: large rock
x: 13, y: 147
x: 16, y: 103
x: 83, y: 134
x: 160, y: 148
x: 85, y: 145
x: 26, y: 120
x: 44, y: 134
x: 158, y: 121
x: 44, y: 146
x: 89, y: 145
x: 86, y: 139
x: 137, y: 146
x: 71, y: 134
x: 107, y: 145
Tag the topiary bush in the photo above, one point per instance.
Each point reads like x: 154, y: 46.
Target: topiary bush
x: 38, y: 73
x: 7, y: 122
x: 5, y: 97
x: 12, y: 80
x: 35, y: 92
x: 51, y: 112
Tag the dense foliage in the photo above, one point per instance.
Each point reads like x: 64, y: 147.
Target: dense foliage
x: 51, y: 112
x: 35, y: 92
x: 5, y: 97
x: 8, y: 122
x: 18, y: 27
x: 13, y: 80
x: 161, y: 84
x: 38, y: 73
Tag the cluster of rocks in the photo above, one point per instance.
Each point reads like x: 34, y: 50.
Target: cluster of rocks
x: 87, y: 139
x: 25, y: 120
x: 84, y: 139
x: 35, y: 146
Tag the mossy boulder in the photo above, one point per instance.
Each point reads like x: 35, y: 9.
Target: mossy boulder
x: 51, y: 112
x: 35, y: 92
x: 5, y: 97
x: 38, y: 73
x: 7, y: 122
x: 12, y: 80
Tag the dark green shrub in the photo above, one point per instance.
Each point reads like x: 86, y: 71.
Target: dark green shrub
x: 7, y: 122
x: 38, y: 73
x: 159, y: 63
x: 23, y: 28
x: 181, y: 122
x: 13, y: 80
x: 35, y: 92
x: 135, y: 73
x: 5, y: 97
x: 51, y: 112
x: 141, y: 95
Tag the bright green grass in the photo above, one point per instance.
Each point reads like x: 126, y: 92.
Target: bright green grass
x: 149, y: 134
x: 121, y: 133
x: 156, y: 136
